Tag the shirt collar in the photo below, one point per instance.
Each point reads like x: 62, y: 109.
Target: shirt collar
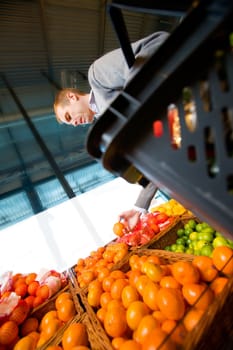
x: 92, y: 104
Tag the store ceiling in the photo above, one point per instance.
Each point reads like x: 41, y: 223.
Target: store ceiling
x: 44, y: 45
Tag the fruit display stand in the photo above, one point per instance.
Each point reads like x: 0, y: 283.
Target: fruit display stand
x: 213, y: 330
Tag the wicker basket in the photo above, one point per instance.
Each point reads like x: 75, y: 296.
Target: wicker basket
x: 169, y: 236
x: 49, y: 305
x: 98, y: 340
x: 215, y: 329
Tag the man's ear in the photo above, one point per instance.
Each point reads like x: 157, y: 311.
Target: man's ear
x: 72, y: 97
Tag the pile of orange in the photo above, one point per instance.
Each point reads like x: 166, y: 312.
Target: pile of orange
x: 29, y: 289
x: 156, y: 303
x: 75, y: 337
x: 99, y: 263
x: 26, y: 332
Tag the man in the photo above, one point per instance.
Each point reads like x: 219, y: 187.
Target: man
x: 107, y: 77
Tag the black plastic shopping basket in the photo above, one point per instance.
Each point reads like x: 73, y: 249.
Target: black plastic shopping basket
x: 173, y: 123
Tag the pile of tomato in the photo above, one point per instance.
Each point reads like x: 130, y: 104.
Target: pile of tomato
x: 148, y: 226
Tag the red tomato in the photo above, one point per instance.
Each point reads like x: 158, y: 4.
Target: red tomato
x: 132, y: 239
x: 166, y: 223
x: 161, y: 218
x: 152, y: 222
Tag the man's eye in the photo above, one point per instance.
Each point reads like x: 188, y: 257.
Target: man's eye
x: 68, y: 118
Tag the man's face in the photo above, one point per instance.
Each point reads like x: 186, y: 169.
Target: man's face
x: 76, y: 111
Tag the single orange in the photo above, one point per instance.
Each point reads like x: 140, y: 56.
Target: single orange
x: 169, y: 282
x: 94, y: 295
x: 108, y: 256
x: 30, y: 277
x: 192, y: 318
x: 100, y: 313
x: 120, y: 255
x: 114, y: 303
x: 30, y: 301
x: 171, y: 303
x: 185, y: 272
x: 102, y: 272
x: 52, y: 314
x: 117, y: 342
x: 107, y: 283
x: 141, y: 283
x: 154, y: 259
x: 218, y: 284
x: 43, y: 292
x: 116, y: 274
x: 21, y: 289
x: 75, y: 334
x: 130, y: 344
x: 25, y: 343
x: 115, y: 323
x: 206, y: 267
x: 153, y: 271
x: 32, y: 287
x: 134, y: 262
x: 15, y: 277
x: 223, y: 259
x: 19, y: 280
x: 177, y: 331
x: 149, y: 295
x: 87, y: 276
x: 42, y: 340
x: 146, y: 325
x: 132, y: 276
x: 66, y: 310
x: 117, y: 287
x: 95, y: 284
x: 38, y: 300
x: 142, y: 260
x: 8, y: 332
x: 20, y: 312
x: 166, y: 269
x: 158, y: 339
x: 31, y: 324
x: 61, y: 297
x: 52, y: 327
x: 119, y: 229
x: 159, y: 316
x: 135, y: 312
x: 198, y: 295
x: 128, y: 295
x: 105, y: 298
x: 101, y: 262
x: 35, y: 335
